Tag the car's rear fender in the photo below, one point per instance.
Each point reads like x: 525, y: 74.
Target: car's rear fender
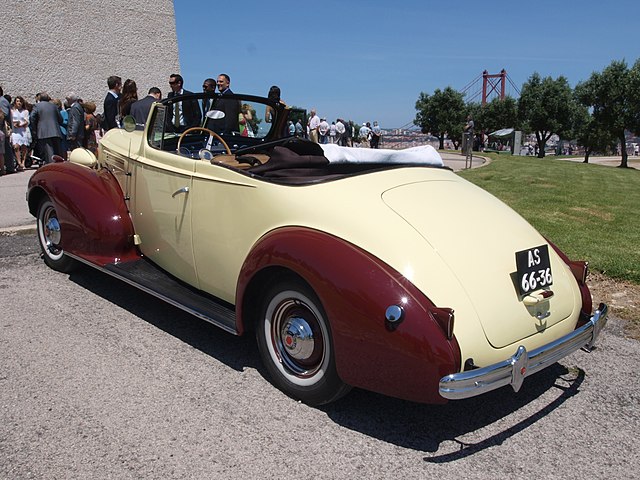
x: 355, y: 289
x: 91, y: 209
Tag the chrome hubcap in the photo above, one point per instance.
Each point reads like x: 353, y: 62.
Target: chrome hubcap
x: 52, y: 231
x: 297, y: 337
x: 50, y: 234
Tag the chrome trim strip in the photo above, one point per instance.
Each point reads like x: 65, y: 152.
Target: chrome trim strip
x: 522, y: 364
x: 157, y: 295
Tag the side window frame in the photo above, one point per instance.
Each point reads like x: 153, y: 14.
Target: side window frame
x: 158, y: 126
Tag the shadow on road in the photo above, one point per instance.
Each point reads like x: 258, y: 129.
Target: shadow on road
x: 406, y: 424
x: 235, y: 352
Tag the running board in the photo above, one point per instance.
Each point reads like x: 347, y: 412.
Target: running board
x: 148, y: 277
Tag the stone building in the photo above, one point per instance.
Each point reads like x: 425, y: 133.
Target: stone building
x: 63, y: 46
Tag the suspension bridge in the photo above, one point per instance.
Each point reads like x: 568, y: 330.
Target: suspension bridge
x: 483, y: 88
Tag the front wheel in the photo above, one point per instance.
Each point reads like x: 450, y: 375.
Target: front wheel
x: 294, y: 339
x: 49, y: 237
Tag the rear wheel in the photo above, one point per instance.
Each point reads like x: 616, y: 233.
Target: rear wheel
x: 49, y: 237
x: 294, y: 339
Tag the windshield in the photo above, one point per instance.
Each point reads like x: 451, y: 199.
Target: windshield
x: 240, y: 120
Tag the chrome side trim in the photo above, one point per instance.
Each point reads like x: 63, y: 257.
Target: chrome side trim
x: 515, y: 369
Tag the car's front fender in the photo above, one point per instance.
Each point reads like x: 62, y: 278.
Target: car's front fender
x: 355, y: 289
x: 91, y: 209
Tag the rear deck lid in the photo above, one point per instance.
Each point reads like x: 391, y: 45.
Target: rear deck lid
x: 477, y: 236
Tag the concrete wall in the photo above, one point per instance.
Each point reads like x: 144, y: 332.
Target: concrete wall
x: 63, y: 46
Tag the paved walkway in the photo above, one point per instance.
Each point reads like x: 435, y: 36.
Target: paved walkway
x: 632, y: 161
x: 457, y: 161
x: 14, y: 214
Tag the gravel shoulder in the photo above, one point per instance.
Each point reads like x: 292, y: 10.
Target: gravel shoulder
x: 622, y: 297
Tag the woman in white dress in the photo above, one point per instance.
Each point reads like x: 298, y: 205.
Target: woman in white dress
x: 20, y: 138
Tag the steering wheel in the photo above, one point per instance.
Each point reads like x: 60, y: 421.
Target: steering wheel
x: 210, y: 132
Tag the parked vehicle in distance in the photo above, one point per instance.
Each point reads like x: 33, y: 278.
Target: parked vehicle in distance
x: 352, y: 267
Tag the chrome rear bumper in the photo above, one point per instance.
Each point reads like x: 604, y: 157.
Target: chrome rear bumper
x: 514, y: 370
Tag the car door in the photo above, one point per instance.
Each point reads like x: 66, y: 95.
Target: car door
x: 161, y: 207
x: 226, y: 214
x: 223, y: 227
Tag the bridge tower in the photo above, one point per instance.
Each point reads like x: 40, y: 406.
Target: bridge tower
x: 491, y: 83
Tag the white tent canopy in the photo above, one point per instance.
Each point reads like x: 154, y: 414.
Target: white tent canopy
x: 502, y: 133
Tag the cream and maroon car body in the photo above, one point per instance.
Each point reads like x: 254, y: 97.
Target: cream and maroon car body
x: 400, y: 278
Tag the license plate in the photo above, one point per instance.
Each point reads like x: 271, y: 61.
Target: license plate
x: 534, y: 269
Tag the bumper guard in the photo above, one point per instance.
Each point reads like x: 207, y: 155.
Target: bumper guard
x: 514, y: 370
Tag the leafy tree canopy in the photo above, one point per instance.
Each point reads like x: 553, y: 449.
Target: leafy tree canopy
x: 613, y: 96
x: 441, y: 113
x: 591, y: 134
x: 545, y: 107
x: 498, y: 114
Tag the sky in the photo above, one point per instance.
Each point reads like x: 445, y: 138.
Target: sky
x: 369, y: 60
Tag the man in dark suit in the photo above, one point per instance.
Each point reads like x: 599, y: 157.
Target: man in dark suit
x: 208, y: 86
x: 231, y: 108
x: 140, y: 109
x: 111, y: 102
x: 75, y: 127
x: 184, y: 114
x: 45, y: 119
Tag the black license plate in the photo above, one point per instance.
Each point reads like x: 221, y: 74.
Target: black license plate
x: 534, y: 269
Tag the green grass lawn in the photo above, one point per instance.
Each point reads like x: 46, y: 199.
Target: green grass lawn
x: 592, y: 212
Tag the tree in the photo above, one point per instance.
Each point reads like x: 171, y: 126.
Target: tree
x: 634, y: 97
x: 297, y: 113
x: 499, y: 113
x: 545, y: 107
x: 589, y: 133
x: 614, y: 97
x: 440, y: 114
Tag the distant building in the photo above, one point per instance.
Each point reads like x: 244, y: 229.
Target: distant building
x: 66, y: 46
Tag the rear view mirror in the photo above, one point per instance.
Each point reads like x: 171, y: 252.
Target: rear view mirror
x: 129, y: 123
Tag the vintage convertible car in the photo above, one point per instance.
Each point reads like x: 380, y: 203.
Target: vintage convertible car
x: 375, y: 269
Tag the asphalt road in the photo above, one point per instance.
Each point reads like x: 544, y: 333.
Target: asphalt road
x: 101, y: 381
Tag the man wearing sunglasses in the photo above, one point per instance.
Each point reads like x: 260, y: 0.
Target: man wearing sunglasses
x: 208, y: 86
x: 184, y: 114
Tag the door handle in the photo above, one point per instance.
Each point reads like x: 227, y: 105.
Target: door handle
x: 179, y: 191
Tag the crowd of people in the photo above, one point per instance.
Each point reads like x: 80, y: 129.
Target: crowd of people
x: 340, y: 132
x: 31, y: 133
x: 36, y: 132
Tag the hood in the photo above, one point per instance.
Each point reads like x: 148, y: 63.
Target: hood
x: 477, y: 237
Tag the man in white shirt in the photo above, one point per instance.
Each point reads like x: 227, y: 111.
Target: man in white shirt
x: 364, y: 135
x: 323, y: 130
x: 340, y: 131
x: 314, y: 123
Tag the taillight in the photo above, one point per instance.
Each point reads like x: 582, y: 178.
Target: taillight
x: 445, y: 318
x: 580, y: 270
